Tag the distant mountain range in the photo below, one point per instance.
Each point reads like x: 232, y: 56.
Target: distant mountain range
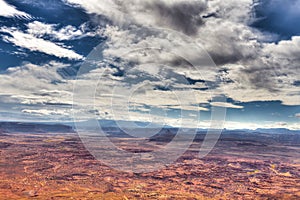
x: 277, y: 131
x: 20, y: 127
x: 26, y: 127
x: 116, y: 124
x: 266, y: 131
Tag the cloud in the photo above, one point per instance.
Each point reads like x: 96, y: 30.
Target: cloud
x: 227, y: 37
x: 250, y: 69
x: 182, y: 16
x: 40, y: 30
x: 147, y: 58
x: 46, y: 112
x: 255, y: 125
x: 225, y: 105
x: 29, y: 81
x: 10, y: 11
x: 33, y: 43
x: 273, y: 74
x: 189, y: 108
x: 229, y: 45
x: 36, y: 92
x: 179, y: 15
x: 232, y: 10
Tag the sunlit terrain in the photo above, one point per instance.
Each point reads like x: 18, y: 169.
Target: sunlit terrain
x: 149, y: 99
x: 241, y: 166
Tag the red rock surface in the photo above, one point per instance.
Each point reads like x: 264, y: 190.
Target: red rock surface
x: 59, y: 167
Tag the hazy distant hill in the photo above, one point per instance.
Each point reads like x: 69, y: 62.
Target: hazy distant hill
x: 277, y: 131
x: 18, y: 127
x: 167, y: 133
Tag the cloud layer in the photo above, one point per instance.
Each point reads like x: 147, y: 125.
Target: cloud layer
x: 10, y: 11
x: 151, y: 49
x: 33, y: 43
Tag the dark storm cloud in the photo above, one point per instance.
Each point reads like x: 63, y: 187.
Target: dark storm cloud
x: 222, y: 59
x: 185, y: 16
x: 261, y: 77
x: 232, y: 52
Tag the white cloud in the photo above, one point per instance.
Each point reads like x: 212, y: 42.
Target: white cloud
x: 188, y: 107
x: 34, y: 82
x: 46, y: 112
x: 226, y: 105
x: 105, y: 7
x: 270, y: 76
x: 254, y: 125
x: 30, y: 90
x: 40, y: 29
x: 33, y: 43
x: 41, y: 91
x: 10, y: 11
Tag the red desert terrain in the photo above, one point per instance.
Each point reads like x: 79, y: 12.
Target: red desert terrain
x: 57, y: 166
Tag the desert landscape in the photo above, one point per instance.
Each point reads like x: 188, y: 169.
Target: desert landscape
x: 149, y: 100
x: 56, y: 165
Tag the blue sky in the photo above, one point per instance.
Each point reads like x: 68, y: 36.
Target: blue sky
x: 150, y: 60
x: 280, y: 17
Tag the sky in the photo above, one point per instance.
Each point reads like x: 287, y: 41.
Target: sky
x: 160, y: 61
